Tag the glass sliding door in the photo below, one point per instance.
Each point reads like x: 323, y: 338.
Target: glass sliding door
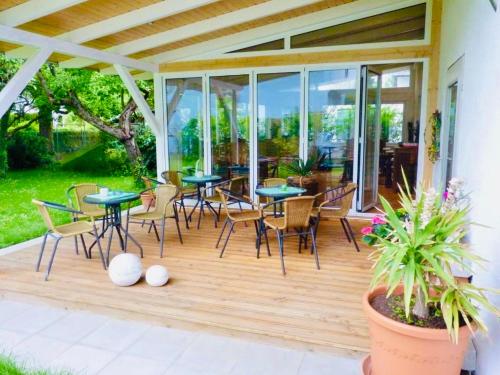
x: 331, y: 121
x: 278, y: 123
x: 369, y: 152
x: 185, y: 124
x: 452, y: 115
x: 230, y: 124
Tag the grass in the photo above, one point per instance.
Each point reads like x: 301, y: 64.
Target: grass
x: 19, y: 218
x: 8, y: 366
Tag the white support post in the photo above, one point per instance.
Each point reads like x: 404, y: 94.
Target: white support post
x: 161, y: 144
x: 16, y: 85
x: 136, y: 94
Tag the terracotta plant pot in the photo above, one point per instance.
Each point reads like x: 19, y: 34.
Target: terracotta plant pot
x: 398, y: 349
x: 147, y: 200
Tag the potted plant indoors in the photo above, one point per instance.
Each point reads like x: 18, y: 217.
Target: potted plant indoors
x: 303, y: 173
x: 420, y: 315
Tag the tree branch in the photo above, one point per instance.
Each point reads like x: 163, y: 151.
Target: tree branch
x: 11, y: 133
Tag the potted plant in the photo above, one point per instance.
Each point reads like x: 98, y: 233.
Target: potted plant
x: 420, y: 316
x: 303, y: 173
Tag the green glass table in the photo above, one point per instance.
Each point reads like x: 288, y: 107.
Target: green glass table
x: 200, y: 182
x: 112, y: 203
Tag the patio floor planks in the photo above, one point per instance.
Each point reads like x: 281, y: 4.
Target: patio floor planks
x: 237, y: 295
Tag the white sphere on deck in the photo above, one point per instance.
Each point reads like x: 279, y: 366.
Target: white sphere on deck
x: 125, y: 269
x: 157, y: 275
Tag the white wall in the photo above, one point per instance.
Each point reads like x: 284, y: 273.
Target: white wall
x: 471, y: 28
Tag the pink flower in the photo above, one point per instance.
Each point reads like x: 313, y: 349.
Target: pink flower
x: 445, y: 195
x: 378, y: 220
x: 366, y: 231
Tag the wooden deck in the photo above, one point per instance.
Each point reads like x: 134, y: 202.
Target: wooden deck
x: 237, y: 295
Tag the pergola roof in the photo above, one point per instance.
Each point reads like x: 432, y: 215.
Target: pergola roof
x: 161, y: 31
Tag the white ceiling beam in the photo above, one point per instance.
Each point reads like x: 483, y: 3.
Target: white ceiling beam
x: 121, y: 22
x: 197, y: 28
x: 17, y: 36
x: 136, y: 94
x: 34, y: 9
x: 24, y: 75
x: 313, y: 21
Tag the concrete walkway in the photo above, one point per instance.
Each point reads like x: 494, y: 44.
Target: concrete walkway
x: 85, y: 343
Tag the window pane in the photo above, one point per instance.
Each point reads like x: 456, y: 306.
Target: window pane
x: 396, y: 79
x: 278, y: 123
x: 392, y: 122
x: 229, y: 124
x: 332, y: 98
x: 185, y: 124
x: 398, y: 25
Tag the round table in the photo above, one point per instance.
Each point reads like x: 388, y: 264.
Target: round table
x: 200, y: 182
x: 277, y: 193
x: 112, y: 203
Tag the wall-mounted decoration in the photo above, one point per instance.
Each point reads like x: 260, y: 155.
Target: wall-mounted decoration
x: 433, y: 149
x: 494, y: 4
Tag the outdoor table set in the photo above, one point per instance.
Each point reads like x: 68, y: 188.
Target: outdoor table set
x: 112, y: 201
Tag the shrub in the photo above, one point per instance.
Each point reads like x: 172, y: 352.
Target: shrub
x: 27, y: 149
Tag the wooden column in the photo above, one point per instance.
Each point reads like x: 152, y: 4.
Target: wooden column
x: 433, y: 84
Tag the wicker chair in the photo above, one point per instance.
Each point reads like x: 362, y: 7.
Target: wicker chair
x: 75, y: 229
x: 212, y: 197
x: 296, y: 221
x: 174, y: 178
x: 335, y: 204
x: 253, y: 215
x: 75, y: 195
x: 270, y: 182
x: 165, y: 208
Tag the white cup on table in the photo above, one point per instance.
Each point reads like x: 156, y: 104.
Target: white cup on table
x: 103, y: 191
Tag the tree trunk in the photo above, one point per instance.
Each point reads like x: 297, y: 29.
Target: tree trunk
x: 45, y: 125
x: 133, y: 152
x: 4, y: 123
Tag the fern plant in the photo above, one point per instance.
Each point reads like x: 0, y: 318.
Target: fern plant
x: 419, y: 252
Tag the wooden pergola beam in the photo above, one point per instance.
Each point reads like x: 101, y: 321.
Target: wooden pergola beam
x: 24, y: 75
x: 17, y: 36
x: 358, y: 55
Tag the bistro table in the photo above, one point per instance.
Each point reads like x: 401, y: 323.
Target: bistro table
x: 200, y: 182
x: 112, y: 204
x: 279, y: 192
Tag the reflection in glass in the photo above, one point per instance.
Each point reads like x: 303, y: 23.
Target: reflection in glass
x: 372, y: 136
x: 452, y: 110
x: 278, y: 123
x: 185, y: 124
x: 229, y: 124
x: 331, y: 118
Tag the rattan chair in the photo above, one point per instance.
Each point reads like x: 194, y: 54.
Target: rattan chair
x: 243, y: 216
x: 74, y: 229
x: 75, y: 195
x: 165, y: 208
x: 335, y: 204
x: 212, y: 198
x: 270, y: 182
x: 296, y: 221
x: 174, y: 178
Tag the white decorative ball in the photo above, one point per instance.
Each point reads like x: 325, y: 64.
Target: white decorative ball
x: 157, y: 275
x: 125, y: 269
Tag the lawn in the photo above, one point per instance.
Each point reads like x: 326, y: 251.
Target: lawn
x: 20, y: 219
x: 8, y: 366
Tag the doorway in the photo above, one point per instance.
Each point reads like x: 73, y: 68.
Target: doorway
x: 389, y: 130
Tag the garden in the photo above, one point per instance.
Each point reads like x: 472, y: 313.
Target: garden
x: 67, y: 127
